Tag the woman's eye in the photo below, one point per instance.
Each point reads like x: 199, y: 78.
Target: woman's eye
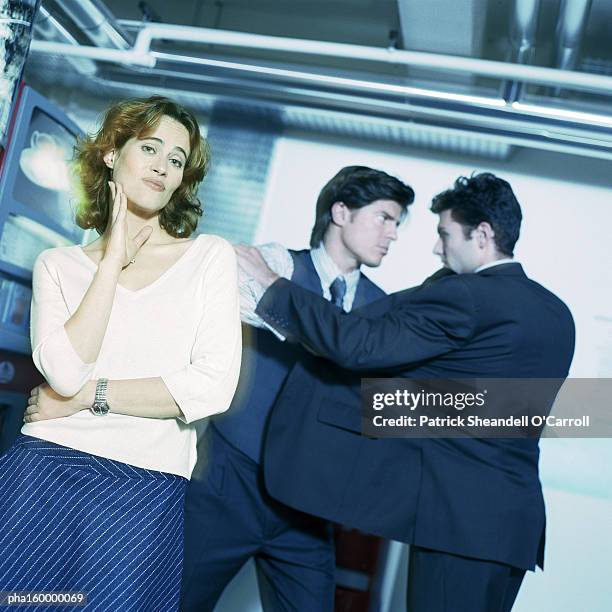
x: 177, y: 162
x: 148, y: 149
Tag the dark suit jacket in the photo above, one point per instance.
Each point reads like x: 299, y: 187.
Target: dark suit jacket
x: 480, y: 498
x: 266, y: 363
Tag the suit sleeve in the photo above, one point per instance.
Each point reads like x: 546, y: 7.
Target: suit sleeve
x: 419, y: 324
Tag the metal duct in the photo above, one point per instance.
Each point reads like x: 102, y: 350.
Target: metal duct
x: 585, y: 130
x: 142, y: 55
x: 523, y: 37
x: 49, y: 28
x: 97, y: 23
x: 440, y: 26
x: 573, y: 16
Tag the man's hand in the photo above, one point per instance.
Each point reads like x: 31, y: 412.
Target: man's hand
x: 252, y: 265
x: 44, y: 403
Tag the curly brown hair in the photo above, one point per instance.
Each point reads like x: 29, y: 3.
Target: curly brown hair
x: 126, y: 119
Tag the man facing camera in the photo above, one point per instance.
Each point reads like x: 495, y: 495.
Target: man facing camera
x: 472, y: 509
x: 229, y: 516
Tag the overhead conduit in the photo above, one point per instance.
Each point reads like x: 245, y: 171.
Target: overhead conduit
x: 575, y: 131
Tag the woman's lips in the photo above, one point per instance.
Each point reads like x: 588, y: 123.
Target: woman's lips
x: 153, y: 184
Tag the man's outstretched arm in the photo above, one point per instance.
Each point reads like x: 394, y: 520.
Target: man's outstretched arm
x: 420, y: 324
x: 419, y: 328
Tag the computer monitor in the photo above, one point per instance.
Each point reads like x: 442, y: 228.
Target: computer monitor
x: 36, y: 205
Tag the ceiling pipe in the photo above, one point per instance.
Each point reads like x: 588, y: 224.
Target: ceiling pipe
x: 233, y: 80
x: 573, y: 16
x: 129, y: 57
x: 350, y: 84
x: 96, y: 22
x: 577, y: 133
x: 523, y: 38
x: 533, y: 74
x: 554, y: 129
x: 49, y: 28
x: 283, y: 86
x: 449, y: 63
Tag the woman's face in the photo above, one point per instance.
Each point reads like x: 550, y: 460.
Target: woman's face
x: 151, y: 168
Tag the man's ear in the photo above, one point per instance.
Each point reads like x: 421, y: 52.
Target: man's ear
x: 109, y: 159
x: 485, y: 233
x: 340, y: 213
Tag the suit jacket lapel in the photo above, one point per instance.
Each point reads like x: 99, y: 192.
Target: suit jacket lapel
x: 304, y: 273
x: 361, y: 297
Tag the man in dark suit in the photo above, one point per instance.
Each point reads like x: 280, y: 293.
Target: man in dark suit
x: 229, y: 517
x: 472, y: 509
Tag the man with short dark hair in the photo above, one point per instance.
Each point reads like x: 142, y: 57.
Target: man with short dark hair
x: 486, y: 212
x: 229, y: 516
x: 471, y: 508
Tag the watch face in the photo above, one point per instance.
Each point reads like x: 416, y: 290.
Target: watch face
x: 99, y: 408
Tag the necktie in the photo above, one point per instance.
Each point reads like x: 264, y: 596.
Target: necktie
x: 338, y: 291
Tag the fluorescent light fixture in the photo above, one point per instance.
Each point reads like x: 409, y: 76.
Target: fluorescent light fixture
x: 561, y: 113
x: 324, y: 79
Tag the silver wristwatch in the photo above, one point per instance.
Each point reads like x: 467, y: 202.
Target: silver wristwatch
x: 100, y: 407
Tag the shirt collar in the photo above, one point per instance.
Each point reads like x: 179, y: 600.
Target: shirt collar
x: 497, y: 262
x: 328, y: 271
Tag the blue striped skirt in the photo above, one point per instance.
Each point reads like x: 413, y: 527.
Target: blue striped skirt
x: 71, y: 521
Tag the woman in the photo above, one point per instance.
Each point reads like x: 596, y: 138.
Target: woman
x: 137, y: 335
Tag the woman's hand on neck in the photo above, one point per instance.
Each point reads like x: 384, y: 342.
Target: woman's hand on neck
x: 125, y: 232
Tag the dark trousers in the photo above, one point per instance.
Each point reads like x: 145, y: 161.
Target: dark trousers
x: 230, y: 518
x: 441, y: 582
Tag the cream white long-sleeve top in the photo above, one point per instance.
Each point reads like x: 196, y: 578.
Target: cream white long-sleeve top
x: 184, y: 327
